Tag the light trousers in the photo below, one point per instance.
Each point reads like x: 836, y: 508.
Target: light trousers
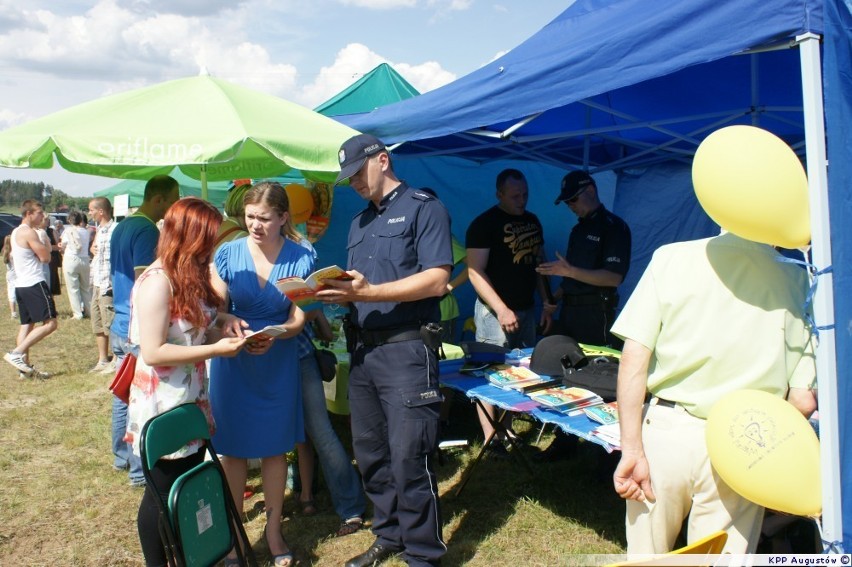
x: 686, y: 487
x: 76, y: 270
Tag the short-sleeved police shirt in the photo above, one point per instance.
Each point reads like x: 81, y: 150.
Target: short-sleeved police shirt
x: 408, y: 232
x: 601, y: 240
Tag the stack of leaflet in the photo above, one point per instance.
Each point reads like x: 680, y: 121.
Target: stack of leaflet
x: 603, y: 413
x: 566, y: 399
x: 510, y: 377
x: 610, y: 433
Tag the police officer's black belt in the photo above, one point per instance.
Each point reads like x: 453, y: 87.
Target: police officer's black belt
x: 385, y: 336
x: 584, y: 299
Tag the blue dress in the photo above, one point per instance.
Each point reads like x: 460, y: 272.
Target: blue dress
x: 257, y: 399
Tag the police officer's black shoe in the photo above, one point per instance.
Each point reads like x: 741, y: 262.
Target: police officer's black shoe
x: 373, y: 556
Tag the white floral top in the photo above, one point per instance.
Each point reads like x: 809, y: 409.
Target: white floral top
x: 156, y: 389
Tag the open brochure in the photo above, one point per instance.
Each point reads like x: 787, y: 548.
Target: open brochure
x: 302, y: 292
x: 270, y: 331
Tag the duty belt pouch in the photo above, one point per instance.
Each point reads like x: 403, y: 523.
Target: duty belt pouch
x: 431, y: 335
x: 598, y: 374
x: 350, y: 331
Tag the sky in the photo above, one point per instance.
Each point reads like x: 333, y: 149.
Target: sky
x: 54, y: 55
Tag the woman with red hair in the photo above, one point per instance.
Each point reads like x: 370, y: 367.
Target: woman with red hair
x: 174, y: 330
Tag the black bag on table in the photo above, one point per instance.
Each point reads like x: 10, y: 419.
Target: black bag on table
x: 596, y: 373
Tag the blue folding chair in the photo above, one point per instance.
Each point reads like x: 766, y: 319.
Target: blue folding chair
x: 199, y: 521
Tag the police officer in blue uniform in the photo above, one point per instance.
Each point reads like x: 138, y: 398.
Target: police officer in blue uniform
x: 400, y: 257
x: 595, y: 263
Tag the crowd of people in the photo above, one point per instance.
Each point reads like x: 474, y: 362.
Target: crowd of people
x: 205, y: 282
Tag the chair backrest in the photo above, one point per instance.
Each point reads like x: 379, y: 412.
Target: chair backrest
x: 198, y: 512
x: 713, y: 544
x: 166, y: 433
x: 710, y: 545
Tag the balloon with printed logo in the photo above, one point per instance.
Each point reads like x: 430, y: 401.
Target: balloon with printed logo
x: 301, y: 202
x: 766, y: 451
x: 751, y: 183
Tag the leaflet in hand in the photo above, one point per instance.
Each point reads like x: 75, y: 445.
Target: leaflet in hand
x: 268, y: 332
x: 303, y: 292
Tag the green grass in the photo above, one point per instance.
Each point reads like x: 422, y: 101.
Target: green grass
x: 61, y: 502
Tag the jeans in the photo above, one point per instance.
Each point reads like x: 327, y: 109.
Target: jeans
x: 340, y: 476
x: 122, y: 451
x: 488, y: 329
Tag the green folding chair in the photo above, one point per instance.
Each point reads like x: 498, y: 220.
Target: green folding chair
x: 199, y: 521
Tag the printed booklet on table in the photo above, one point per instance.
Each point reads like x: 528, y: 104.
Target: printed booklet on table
x: 511, y: 377
x: 566, y: 398
x: 303, y: 292
x: 603, y: 413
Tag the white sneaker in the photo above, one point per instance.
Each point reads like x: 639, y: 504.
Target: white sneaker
x: 100, y: 366
x: 16, y: 359
x: 39, y: 375
x: 14, y: 315
x: 109, y: 368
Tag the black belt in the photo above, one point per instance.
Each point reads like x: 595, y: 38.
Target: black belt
x: 666, y: 403
x: 385, y: 336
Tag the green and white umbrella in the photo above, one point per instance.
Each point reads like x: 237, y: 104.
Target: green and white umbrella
x: 211, y: 129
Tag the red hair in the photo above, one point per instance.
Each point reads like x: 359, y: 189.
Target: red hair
x: 185, y: 249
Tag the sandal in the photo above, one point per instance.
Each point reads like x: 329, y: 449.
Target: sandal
x: 350, y: 526
x: 308, y: 507
x: 282, y: 559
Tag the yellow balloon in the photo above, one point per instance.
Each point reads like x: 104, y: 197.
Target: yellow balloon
x: 766, y: 451
x: 301, y: 202
x: 752, y: 184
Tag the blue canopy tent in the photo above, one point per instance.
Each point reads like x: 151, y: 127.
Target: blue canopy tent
x: 624, y: 86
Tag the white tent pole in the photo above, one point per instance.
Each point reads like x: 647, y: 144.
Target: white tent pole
x: 826, y: 360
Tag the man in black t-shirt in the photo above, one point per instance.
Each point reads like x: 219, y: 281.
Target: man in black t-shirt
x: 504, y: 246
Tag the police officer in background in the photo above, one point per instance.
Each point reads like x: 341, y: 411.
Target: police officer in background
x: 596, y: 262
x: 400, y: 257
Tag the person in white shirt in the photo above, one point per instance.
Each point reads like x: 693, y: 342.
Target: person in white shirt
x: 74, y: 244
x: 35, y: 303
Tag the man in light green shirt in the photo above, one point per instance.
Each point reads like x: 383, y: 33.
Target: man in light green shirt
x: 708, y: 317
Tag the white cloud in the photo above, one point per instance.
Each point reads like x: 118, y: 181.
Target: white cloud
x: 9, y: 118
x: 456, y: 5
x: 355, y: 60
x: 380, y: 4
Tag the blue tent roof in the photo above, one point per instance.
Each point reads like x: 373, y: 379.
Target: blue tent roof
x: 624, y: 84
x: 612, y: 84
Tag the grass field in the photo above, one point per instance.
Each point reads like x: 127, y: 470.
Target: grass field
x: 62, y: 504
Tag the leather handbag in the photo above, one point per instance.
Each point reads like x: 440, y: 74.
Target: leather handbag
x: 120, y: 385
x: 327, y: 362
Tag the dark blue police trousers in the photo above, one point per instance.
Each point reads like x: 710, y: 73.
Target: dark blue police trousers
x: 394, y: 401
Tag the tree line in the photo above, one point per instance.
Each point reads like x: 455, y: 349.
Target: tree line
x: 14, y: 192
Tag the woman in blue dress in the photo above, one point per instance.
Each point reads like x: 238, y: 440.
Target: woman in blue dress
x: 256, y: 396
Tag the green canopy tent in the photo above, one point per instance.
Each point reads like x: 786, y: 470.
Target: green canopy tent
x: 377, y: 88
x: 217, y: 191
x: 212, y: 129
